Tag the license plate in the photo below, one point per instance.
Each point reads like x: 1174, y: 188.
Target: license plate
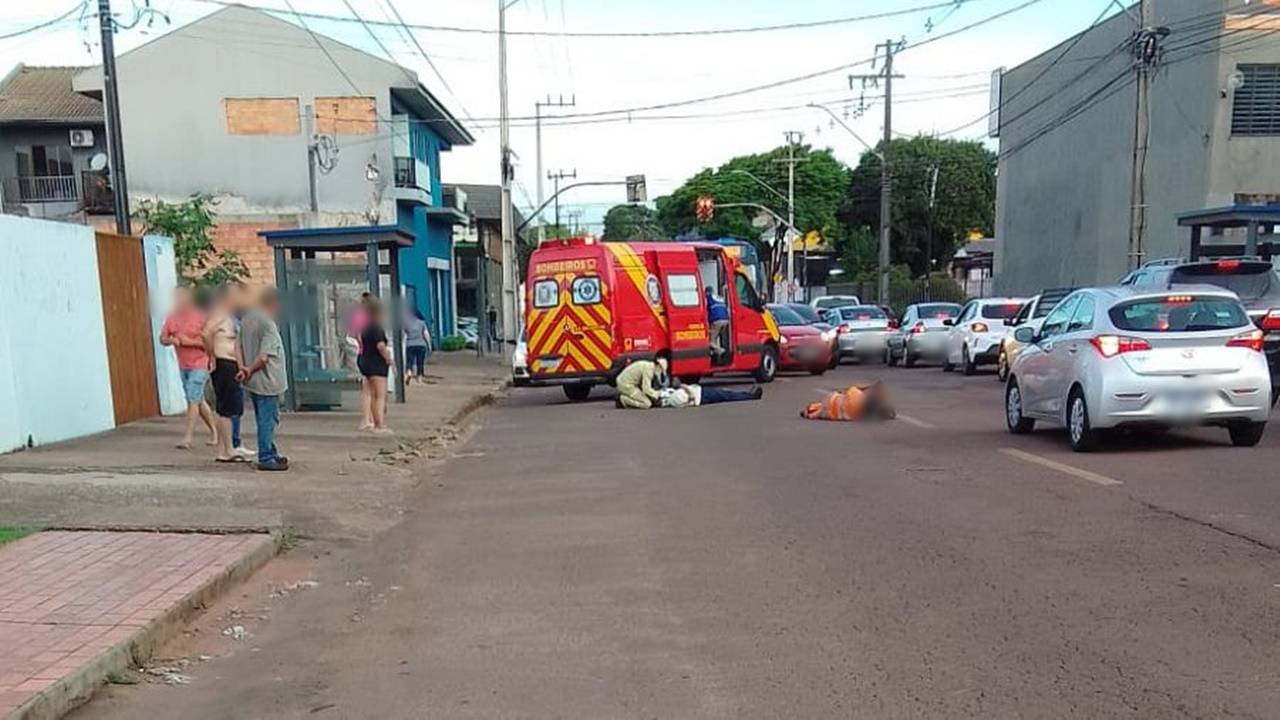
x: 1185, y: 402
x: 548, y: 364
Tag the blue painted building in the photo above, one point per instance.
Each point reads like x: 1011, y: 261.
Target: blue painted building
x: 423, y: 131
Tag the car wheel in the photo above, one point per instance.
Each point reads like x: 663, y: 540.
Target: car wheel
x: 578, y: 392
x: 1002, y: 366
x: 835, y: 360
x: 768, y: 365
x: 967, y: 362
x: 1083, y: 437
x: 1019, y: 424
x: 1247, y: 434
x: 889, y: 358
x: 908, y: 360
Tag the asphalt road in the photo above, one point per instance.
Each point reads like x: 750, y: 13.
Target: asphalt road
x: 574, y: 561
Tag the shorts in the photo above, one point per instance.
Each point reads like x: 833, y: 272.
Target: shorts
x: 229, y: 399
x: 193, y: 382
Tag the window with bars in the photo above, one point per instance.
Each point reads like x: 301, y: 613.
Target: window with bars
x: 1256, y: 108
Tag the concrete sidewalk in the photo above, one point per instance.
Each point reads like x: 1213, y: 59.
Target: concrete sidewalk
x: 76, y: 607
x: 342, y: 484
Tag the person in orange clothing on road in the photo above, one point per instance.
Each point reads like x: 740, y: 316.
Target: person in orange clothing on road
x: 859, y: 402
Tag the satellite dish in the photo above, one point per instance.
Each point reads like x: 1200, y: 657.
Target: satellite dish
x: 98, y: 162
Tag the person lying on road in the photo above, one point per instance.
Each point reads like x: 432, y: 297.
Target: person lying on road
x: 636, y: 389
x: 865, y: 402
x: 694, y: 395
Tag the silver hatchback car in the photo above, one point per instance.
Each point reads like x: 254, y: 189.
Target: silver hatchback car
x: 1125, y: 357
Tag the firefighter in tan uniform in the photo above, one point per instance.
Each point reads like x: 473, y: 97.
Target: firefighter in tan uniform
x: 636, y: 388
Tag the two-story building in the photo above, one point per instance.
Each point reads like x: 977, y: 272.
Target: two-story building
x: 51, y: 138
x: 1066, y: 127
x: 287, y: 129
x: 478, y: 250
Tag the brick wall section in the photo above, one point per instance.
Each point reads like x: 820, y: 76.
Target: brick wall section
x: 243, y: 238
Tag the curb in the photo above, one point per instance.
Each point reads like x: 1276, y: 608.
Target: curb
x: 79, y: 686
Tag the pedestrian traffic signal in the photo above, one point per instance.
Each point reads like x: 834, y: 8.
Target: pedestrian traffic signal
x: 705, y: 208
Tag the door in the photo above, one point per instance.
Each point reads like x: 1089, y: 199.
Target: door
x: 686, y: 313
x: 955, y: 337
x: 1038, y: 372
x: 1066, y: 356
x: 749, y: 327
x: 898, y: 340
x: 126, y: 316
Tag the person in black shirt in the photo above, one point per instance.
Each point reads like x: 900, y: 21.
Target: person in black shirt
x: 374, y: 362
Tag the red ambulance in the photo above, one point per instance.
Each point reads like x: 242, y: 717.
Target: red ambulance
x: 592, y: 307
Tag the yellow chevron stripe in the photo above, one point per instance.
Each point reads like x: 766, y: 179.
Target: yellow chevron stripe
x: 635, y: 269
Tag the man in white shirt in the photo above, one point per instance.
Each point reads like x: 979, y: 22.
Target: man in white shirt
x: 694, y: 395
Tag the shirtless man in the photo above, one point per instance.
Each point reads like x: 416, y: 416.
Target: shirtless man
x: 220, y: 338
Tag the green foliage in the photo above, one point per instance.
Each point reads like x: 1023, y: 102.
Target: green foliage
x: 626, y: 223
x: 453, y: 343
x: 822, y: 184
x: 965, y: 199
x: 9, y: 534
x: 189, y: 224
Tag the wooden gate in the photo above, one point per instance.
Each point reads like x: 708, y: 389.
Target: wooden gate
x: 126, y: 314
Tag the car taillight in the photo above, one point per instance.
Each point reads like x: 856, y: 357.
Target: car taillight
x: 1113, y: 345
x: 844, y: 330
x: 1271, y: 321
x: 1228, y: 265
x: 918, y: 329
x: 979, y: 327
x: 894, y: 325
x: 1253, y: 340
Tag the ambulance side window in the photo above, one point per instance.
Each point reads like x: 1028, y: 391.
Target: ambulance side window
x: 546, y: 293
x: 746, y: 294
x: 683, y: 290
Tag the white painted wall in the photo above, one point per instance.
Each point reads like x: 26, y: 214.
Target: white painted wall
x: 54, y: 379
x: 162, y: 278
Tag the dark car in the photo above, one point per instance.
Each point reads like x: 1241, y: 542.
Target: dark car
x: 813, y: 317
x: 1254, y: 281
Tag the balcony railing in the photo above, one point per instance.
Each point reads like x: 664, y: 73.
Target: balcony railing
x: 42, y: 188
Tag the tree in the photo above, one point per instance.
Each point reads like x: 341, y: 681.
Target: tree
x: 822, y: 184
x: 625, y: 223
x: 965, y: 200
x: 188, y: 223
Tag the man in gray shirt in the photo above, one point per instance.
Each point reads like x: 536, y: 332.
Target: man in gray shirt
x: 263, y: 374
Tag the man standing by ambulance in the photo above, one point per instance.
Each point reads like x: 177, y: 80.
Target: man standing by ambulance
x: 636, y: 389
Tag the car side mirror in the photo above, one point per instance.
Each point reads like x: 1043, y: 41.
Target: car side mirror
x: 1011, y: 322
x: 1025, y: 335
x: 949, y: 322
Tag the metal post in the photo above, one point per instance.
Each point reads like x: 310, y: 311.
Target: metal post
x: 886, y: 175
x: 115, y: 138
x: 1251, y: 239
x: 928, y: 247
x: 510, y: 313
x: 397, y: 322
x: 791, y: 219
x: 1195, y: 243
x: 1145, y: 51
x: 558, y: 103
x: 309, y: 115
x: 286, y: 328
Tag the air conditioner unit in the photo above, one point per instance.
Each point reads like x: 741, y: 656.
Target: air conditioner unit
x: 82, y: 138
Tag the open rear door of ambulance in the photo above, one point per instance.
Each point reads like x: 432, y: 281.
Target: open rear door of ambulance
x: 686, y: 313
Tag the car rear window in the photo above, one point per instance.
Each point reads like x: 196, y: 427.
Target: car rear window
x: 810, y: 315
x: 1179, y: 314
x: 938, y: 312
x: 854, y: 314
x: 1001, y: 311
x: 1049, y: 300
x: 828, y: 303
x: 1249, y: 280
x: 785, y: 316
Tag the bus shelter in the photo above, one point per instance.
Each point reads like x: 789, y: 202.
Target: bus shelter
x: 1258, y: 221
x: 321, y: 274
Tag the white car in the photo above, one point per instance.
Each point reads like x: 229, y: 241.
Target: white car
x: 520, y: 361
x: 1129, y: 357
x: 830, y: 302
x: 974, y: 337
x: 1032, y: 315
x: 862, y: 331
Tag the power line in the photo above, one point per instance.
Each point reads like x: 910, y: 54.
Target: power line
x: 954, y: 4
x: 79, y: 8
x: 323, y: 49
x: 430, y: 63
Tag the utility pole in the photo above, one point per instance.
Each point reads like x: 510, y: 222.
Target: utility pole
x: 115, y: 139
x: 1146, y: 53
x: 886, y: 75
x: 793, y: 137
x: 928, y: 251
x: 558, y: 103
x: 556, y: 177
x: 510, y: 283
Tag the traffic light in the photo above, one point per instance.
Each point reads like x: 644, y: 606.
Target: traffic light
x: 705, y: 208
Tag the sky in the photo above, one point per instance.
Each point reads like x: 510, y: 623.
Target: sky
x: 945, y: 84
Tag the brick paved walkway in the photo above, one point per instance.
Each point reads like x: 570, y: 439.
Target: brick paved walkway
x: 68, y: 597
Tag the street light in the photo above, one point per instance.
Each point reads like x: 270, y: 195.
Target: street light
x: 762, y: 183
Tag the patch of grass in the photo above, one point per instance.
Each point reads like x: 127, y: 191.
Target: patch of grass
x: 9, y: 534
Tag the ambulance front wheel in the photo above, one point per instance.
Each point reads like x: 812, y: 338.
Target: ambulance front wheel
x: 578, y: 392
x: 768, y: 365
